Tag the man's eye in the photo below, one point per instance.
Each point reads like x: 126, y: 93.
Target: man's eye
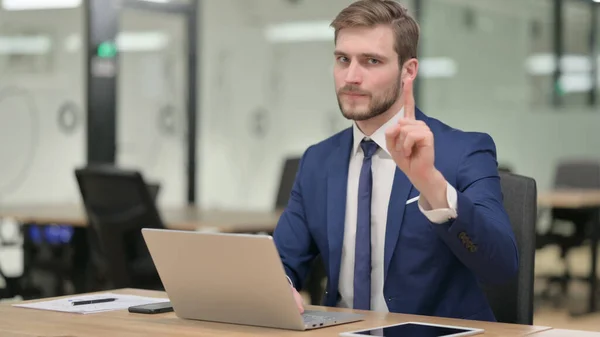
x: 343, y: 59
x: 373, y: 61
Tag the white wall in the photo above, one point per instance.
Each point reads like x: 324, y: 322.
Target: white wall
x: 490, y: 92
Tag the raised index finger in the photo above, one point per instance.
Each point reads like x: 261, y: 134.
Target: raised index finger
x: 409, y: 99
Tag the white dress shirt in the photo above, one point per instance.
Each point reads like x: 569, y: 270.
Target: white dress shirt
x: 383, y: 169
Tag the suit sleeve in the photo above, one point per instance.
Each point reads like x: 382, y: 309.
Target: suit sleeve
x: 481, y: 235
x: 291, y: 236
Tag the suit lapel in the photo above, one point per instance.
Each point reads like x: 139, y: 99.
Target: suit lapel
x: 337, y: 181
x: 400, y: 192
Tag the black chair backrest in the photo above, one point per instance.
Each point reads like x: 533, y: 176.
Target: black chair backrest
x: 505, y: 168
x: 118, y: 205
x: 153, y: 189
x: 580, y: 174
x: 577, y: 174
x: 513, y: 302
x: 288, y: 175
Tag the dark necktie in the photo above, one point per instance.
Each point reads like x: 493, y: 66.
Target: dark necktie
x: 362, y: 257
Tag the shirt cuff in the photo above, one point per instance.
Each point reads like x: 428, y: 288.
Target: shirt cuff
x: 441, y: 215
x: 289, y: 280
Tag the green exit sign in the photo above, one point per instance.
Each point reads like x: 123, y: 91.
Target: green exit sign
x: 107, y: 49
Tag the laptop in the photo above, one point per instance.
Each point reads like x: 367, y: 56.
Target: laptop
x: 230, y: 278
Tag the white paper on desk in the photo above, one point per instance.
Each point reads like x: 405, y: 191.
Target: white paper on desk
x: 64, y: 304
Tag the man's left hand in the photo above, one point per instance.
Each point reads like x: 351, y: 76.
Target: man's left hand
x: 410, y: 142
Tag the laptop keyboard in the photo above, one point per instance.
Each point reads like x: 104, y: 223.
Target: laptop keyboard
x: 310, y: 318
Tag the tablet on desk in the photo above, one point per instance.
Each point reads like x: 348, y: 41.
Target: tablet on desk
x: 415, y: 329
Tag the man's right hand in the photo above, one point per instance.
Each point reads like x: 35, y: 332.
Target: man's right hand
x: 299, y: 301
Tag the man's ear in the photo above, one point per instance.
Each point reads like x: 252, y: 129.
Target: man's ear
x: 410, y: 69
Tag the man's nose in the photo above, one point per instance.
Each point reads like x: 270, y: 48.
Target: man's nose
x: 353, y: 75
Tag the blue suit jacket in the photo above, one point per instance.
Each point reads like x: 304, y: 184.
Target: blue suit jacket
x: 429, y: 269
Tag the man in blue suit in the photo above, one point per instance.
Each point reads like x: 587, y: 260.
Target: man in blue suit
x: 405, y: 211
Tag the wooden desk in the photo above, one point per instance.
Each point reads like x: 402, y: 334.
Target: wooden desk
x: 24, y: 322
x: 183, y: 218
x: 569, y: 198
x: 565, y: 333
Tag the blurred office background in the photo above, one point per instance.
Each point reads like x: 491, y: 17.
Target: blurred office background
x: 524, y: 71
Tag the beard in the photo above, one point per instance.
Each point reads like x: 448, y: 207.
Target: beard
x: 378, y: 104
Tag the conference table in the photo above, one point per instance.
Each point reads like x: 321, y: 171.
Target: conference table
x: 174, y: 217
x: 186, y: 217
x: 570, y: 198
x: 15, y: 321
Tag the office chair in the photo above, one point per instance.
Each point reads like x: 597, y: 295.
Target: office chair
x: 315, y: 280
x: 513, y: 302
x: 118, y: 204
x: 574, y: 174
x: 286, y: 182
x: 505, y: 168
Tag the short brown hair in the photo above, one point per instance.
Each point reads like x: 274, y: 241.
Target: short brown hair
x: 370, y: 13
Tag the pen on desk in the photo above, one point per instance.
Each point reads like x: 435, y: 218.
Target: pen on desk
x: 103, y: 300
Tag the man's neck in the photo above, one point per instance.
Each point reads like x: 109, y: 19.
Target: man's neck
x: 369, y: 126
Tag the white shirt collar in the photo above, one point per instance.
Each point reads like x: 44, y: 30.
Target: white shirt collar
x: 378, y: 136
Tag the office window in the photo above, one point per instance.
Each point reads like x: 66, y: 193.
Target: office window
x: 42, y: 107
